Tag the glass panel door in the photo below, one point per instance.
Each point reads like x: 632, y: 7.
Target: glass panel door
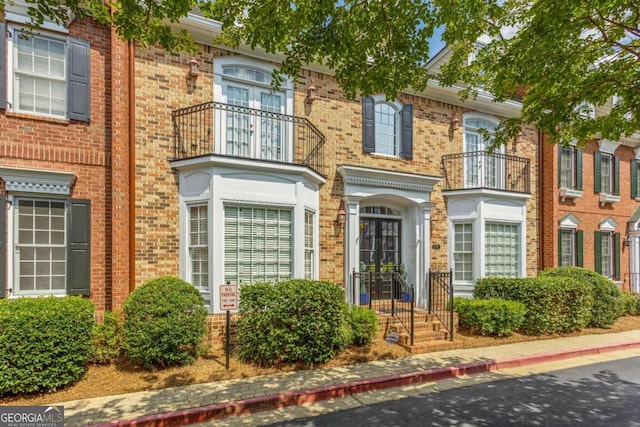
x: 379, y: 253
x: 238, y: 122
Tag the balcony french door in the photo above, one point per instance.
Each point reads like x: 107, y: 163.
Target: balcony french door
x: 258, y: 136
x: 482, y: 170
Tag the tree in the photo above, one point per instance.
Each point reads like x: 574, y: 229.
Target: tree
x: 564, y: 58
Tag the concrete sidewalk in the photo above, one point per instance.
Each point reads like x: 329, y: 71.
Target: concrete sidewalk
x: 199, y: 402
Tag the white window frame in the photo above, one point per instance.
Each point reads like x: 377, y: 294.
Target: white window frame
x: 482, y: 165
x: 606, y: 245
x: 606, y: 181
x: 204, y: 288
x: 568, y: 251
x: 468, y: 255
x: 570, y: 153
x: 309, y: 244
x: 14, y: 260
x: 396, y: 107
x: 514, y: 253
x: 12, y: 84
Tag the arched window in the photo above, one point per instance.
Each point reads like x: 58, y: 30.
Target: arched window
x: 387, y: 127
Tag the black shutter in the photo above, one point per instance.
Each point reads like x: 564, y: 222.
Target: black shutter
x: 78, y: 85
x: 597, y: 245
x: 406, y: 150
x: 79, y: 247
x: 616, y: 176
x: 578, y: 152
x: 3, y: 66
x: 634, y: 178
x: 559, y: 166
x: 3, y: 245
x: 579, y: 251
x: 368, y: 125
x: 559, y: 248
x: 597, y: 172
x: 616, y: 254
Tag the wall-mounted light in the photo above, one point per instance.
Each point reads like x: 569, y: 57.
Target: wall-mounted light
x: 341, y: 217
x: 194, y: 67
x: 455, y: 121
x: 519, y: 138
x: 311, y: 93
x: 626, y: 241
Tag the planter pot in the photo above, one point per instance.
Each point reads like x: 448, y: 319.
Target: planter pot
x: 406, y: 296
x: 364, y: 299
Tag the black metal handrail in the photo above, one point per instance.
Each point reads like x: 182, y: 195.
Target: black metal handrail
x: 218, y: 128
x: 441, y: 298
x: 480, y: 169
x: 386, y: 292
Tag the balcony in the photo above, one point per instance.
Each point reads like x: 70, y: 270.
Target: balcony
x: 216, y: 128
x: 483, y: 170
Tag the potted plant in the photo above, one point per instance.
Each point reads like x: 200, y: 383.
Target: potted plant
x: 364, y: 295
x: 405, y: 290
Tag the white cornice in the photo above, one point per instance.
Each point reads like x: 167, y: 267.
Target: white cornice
x: 37, y: 181
x: 380, y: 178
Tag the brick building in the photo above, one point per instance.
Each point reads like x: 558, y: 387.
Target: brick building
x: 237, y: 183
x: 64, y: 161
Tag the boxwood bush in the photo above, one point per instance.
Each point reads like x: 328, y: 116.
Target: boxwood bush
x: 493, y: 316
x: 294, y: 321
x: 44, y: 343
x: 106, y: 339
x: 164, y: 324
x: 608, y: 304
x: 631, y: 303
x: 554, y: 304
x: 363, y: 324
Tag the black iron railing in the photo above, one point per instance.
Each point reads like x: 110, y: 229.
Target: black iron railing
x: 217, y: 128
x: 440, y: 285
x: 386, y: 292
x: 480, y: 169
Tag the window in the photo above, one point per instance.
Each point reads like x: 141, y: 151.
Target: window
x: 50, y: 251
x: 49, y: 75
x: 607, y: 175
x: 257, y: 244
x: 607, y: 254
x: 463, y: 252
x: 502, y: 250
x: 387, y: 127
x: 309, y: 245
x: 635, y: 179
x: 199, y: 249
x: 570, y: 247
x: 570, y: 165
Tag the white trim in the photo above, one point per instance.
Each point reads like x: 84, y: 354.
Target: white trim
x: 607, y: 146
x: 37, y: 181
x: 608, y: 224
x: 569, y: 221
x: 19, y: 16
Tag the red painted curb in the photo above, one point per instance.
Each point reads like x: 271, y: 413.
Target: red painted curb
x: 281, y: 400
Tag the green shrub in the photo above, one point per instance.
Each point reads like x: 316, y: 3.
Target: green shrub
x: 164, y: 324
x: 554, y: 304
x: 106, y: 339
x: 44, y: 343
x: 631, y: 303
x: 492, y: 316
x: 363, y: 324
x: 608, y: 305
x: 290, y: 322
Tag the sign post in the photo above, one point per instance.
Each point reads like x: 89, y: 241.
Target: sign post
x: 228, y: 302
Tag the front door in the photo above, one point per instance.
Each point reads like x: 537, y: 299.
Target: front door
x: 379, y: 252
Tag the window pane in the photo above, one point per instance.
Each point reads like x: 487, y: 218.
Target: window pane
x: 502, y: 250
x: 463, y: 252
x: 199, y: 249
x: 386, y: 129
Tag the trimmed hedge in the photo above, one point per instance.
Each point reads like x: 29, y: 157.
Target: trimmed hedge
x: 164, y: 324
x: 554, y: 304
x: 44, y: 343
x: 608, y: 304
x: 106, y: 339
x: 491, y: 316
x: 631, y: 303
x: 295, y: 321
x: 364, y: 325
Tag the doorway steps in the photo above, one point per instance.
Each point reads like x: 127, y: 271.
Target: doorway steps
x: 429, y: 333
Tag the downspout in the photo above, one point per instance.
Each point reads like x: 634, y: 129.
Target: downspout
x: 132, y: 169
x: 541, y: 202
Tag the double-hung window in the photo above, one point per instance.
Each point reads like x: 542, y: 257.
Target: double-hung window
x: 607, y: 173
x: 570, y: 168
x: 635, y: 179
x: 463, y: 252
x: 570, y: 252
x: 387, y: 127
x: 309, y: 245
x: 607, y: 254
x: 46, y: 75
x: 199, y: 249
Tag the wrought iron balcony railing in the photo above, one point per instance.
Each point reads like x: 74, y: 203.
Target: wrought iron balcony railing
x: 483, y: 170
x: 217, y: 128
